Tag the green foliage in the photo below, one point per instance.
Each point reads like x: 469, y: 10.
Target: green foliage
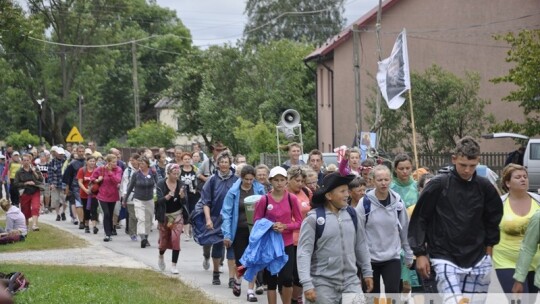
x: 113, y: 143
x: 256, y: 137
x: 446, y: 108
x: 22, y: 139
x: 151, y: 134
x: 218, y: 85
x: 270, y: 20
x: 525, y: 53
x: 32, y: 69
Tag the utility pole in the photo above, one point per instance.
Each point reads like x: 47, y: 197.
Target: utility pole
x: 135, y: 84
x: 377, y: 125
x: 81, y: 99
x: 357, y: 98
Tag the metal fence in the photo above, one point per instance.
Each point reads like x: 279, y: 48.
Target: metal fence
x: 494, y: 160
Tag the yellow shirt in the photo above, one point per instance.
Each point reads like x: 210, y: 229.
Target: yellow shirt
x: 13, y: 168
x: 513, y: 227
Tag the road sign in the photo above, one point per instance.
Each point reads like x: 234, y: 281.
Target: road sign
x: 74, y: 136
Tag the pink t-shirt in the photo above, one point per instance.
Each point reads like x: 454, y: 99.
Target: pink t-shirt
x: 280, y: 212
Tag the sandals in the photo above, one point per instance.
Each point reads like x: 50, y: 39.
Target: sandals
x: 251, y: 297
x: 237, y: 289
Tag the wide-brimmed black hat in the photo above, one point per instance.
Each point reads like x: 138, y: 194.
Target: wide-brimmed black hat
x: 330, y: 182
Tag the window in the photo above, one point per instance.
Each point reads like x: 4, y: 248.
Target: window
x: 535, y: 151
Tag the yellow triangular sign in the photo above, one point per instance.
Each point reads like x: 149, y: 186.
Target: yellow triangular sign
x: 74, y: 136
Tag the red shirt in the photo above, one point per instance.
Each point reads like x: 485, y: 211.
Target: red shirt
x: 85, y: 176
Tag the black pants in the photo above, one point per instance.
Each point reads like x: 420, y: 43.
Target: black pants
x: 90, y: 215
x: 108, y: 210
x: 13, y: 193
x: 241, y: 241
x: 391, y: 274
x: 285, y: 276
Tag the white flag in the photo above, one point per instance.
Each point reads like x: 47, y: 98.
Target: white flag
x: 393, y: 75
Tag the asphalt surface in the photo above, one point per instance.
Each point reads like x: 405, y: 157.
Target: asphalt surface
x: 123, y: 252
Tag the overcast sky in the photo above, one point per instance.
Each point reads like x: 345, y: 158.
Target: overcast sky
x: 218, y: 21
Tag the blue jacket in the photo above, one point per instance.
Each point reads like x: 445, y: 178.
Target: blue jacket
x: 265, y: 250
x: 230, y: 209
x: 214, y: 191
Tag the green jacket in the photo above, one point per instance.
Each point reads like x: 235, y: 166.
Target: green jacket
x: 528, y: 249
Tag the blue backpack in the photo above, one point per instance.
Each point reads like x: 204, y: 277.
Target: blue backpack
x: 321, y: 213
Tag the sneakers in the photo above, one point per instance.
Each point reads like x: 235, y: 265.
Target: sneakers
x: 63, y: 216
x: 86, y: 229
x: 134, y: 238
x: 206, y: 264
x: 215, y: 279
x: 174, y: 270
x: 81, y: 225
x: 161, y: 263
x: 145, y: 243
x: 251, y: 297
x: 107, y: 239
x: 74, y: 221
x: 259, y: 290
x: 96, y: 230
x: 35, y: 228
x: 231, y: 282
x: 113, y: 232
x: 58, y: 218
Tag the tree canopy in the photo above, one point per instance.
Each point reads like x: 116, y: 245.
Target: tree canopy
x: 39, y: 60
x: 525, y: 53
x: 312, y: 21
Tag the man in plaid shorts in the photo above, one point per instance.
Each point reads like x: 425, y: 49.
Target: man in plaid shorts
x: 456, y: 224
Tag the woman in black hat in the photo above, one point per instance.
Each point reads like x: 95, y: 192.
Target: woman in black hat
x: 332, y: 242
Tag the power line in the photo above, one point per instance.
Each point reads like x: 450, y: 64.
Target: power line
x: 94, y: 45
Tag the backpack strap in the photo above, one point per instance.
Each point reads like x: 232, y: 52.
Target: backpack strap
x: 367, y: 207
x: 266, y: 205
x: 319, y: 224
x: 354, y: 218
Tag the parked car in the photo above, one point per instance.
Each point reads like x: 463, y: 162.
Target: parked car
x: 531, y: 158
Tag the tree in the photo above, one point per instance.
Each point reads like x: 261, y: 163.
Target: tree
x: 446, y: 108
x: 313, y: 21
x: 525, y: 53
x: 151, y: 134
x: 40, y: 63
x: 256, y: 137
x: 216, y: 86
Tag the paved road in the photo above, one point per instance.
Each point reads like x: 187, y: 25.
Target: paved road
x: 122, y: 252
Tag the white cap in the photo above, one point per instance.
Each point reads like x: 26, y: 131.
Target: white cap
x: 278, y: 171
x: 60, y: 151
x: 15, y: 153
x: 54, y: 148
x: 2, y: 156
x: 87, y: 151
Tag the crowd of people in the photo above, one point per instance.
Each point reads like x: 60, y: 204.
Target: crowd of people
x: 316, y: 233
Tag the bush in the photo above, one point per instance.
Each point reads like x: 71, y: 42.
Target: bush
x: 22, y: 139
x: 151, y: 134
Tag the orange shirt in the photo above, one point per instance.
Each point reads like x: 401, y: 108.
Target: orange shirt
x: 304, y: 202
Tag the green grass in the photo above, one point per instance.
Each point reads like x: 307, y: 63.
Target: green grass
x: 48, y: 237
x: 93, y: 285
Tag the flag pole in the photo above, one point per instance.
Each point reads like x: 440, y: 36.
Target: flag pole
x: 413, y: 130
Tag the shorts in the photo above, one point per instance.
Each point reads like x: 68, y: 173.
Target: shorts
x: 77, y: 197
x: 58, y: 197
x: 47, y: 191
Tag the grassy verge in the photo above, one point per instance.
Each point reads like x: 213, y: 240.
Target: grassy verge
x: 48, y: 237
x: 72, y: 284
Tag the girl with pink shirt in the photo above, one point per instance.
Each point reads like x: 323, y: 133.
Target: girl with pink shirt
x: 282, y: 208
x: 109, y: 177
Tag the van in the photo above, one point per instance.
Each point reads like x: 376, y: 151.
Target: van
x: 531, y: 161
